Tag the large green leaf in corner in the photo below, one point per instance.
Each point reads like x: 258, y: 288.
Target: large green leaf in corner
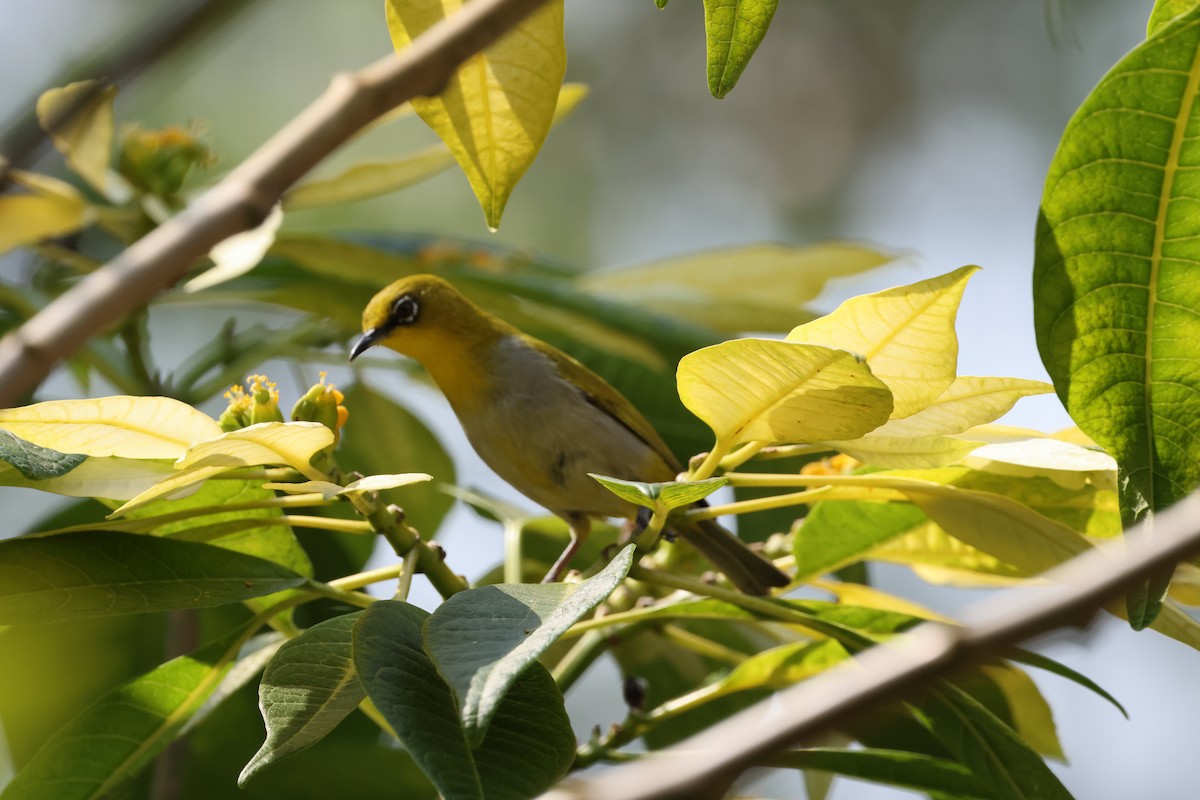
x: 1118, y: 245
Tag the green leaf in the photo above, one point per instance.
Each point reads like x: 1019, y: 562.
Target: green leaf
x: 482, y: 640
x: 891, y: 767
x: 77, y: 575
x: 780, y: 667
x: 661, y: 496
x: 1115, y: 314
x: 530, y: 745
x: 1032, y: 659
x: 36, y: 463
x: 309, y: 687
x: 996, y: 756
x: 733, y: 29
x: 383, y: 437
x: 122, y: 731
x: 1166, y: 11
x: 840, y: 532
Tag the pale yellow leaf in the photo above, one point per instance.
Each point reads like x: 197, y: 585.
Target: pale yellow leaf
x: 496, y: 110
x: 79, y: 119
x: 377, y: 483
x: 779, y: 392
x: 928, y: 546
x: 856, y: 594
x: 906, y: 334
x: 128, y: 427
x: 371, y: 179
x: 966, y: 579
x: 1031, y: 715
x: 1172, y: 621
x: 52, y: 208
x: 906, y: 452
x: 1042, y: 456
x: 966, y: 403
x: 291, y: 444
x: 326, y: 489
x: 1185, y: 584
x: 180, y: 484
x: 238, y: 254
x: 760, y: 287
x: 110, y: 478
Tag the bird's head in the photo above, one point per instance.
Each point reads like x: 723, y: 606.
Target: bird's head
x: 422, y: 316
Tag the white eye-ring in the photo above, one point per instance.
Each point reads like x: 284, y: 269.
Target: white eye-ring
x: 404, y: 311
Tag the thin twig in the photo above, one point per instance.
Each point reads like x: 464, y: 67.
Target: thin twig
x: 245, y: 197
x: 704, y: 765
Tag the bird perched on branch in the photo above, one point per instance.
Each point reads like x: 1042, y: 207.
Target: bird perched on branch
x: 540, y: 419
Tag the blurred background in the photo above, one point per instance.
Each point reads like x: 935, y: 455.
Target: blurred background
x: 921, y: 126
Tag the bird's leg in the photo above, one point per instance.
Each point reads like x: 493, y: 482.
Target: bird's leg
x: 581, y: 526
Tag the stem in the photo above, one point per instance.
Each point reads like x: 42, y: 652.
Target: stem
x: 404, y: 539
x: 709, y: 465
x: 581, y: 656
x: 408, y: 569
x: 354, y: 526
x: 358, y: 599
x: 740, y: 456
x: 647, y: 538
x: 513, y: 555
x: 702, y: 645
x: 757, y: 504
x: 792, y: 450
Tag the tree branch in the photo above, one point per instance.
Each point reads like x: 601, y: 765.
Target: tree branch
x: 243, y: 199
x: 706, y: 764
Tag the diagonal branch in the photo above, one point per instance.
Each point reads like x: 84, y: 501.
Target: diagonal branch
x: 243, y: 199
x: 705, y: 765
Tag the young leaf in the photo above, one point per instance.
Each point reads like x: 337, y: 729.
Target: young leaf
x: 907, y: 452
x: 127, y: 427
x: 1115, y: 315
x: 79, y: 119
x: 121, y: 732
x: 766, y: 291
x: 733, y: 30
x: 309, y: 687
x: 238, y: 254
x: 495, y: 112
x: 664, y: 496
x: 531, y: 744
x: 764, y: 390
x: 76, y: 575
x: 370, y: 179
x: 906, y: 334
x: 891, y: 767
x: 996, y: 756
x: 53, y: 208
x: 482, y: 640
x: 966, y: 403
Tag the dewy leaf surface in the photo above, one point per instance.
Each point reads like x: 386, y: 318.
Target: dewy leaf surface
x: 766, y: 390
x: 483, y: 639
x: 906, y: 334
x: 107, y: 573
x: 1117, y: 312
x: 497, y: 108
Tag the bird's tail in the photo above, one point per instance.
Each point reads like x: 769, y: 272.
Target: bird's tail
x: 746, y: 569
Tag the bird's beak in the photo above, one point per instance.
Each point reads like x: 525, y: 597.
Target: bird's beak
x: 367, y: 340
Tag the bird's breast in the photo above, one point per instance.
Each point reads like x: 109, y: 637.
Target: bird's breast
x: 539, y: 432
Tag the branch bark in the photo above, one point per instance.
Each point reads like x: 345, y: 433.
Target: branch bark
x: 243, y: 199
x: 705, y: 765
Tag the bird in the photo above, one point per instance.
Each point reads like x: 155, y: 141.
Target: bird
x: 540, y: 419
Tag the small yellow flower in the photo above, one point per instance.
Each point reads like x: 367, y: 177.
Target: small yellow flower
x: 266, y: 400
x: 322, y: 403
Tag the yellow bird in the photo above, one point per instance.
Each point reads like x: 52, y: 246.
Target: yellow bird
x: 539, y: 418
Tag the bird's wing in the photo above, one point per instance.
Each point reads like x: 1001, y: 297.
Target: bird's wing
x: 601, y: 394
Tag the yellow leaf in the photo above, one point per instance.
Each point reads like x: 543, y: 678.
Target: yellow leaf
x: 761, y: 287
x: 930, y: 550
x: 907, y: 452
x: 765, y: 390
x: 291, y: 444
x: 79, y: 119
x: 1031, y: 716
x: 856, y: 594
x: 906, y: 334
x: 371, y: 179
x: 1065, y: 463
x: 128, y: 427
x: 377, y: 483
x: 53, y: 208
x: 966, y: 403
x: 238, y: 254
x: 495, y: 112
x: 110, y: 478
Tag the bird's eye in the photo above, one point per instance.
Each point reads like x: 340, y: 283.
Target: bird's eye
x: 404, y: 311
